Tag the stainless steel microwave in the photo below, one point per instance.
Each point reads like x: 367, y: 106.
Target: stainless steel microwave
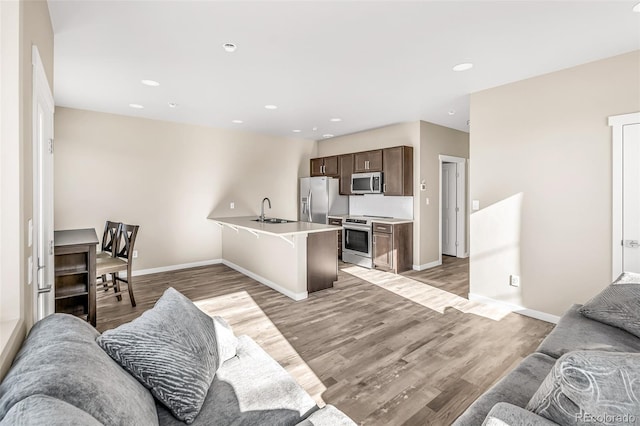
x: 366, y: 183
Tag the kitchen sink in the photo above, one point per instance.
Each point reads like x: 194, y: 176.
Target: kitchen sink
x: 273, y: 220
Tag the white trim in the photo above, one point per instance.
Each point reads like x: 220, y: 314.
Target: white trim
x: 428, y: 265
x: 461, y: 186
x: 176, y: 267
x: 617, y: 122
x: 268, y: 283
x: 543, y: 316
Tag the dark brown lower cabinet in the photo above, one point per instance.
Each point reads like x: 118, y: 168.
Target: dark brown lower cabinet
x: 337, y: 222
x: 392, y: 246
x: 322, y: 260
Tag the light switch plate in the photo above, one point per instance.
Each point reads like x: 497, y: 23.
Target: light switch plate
x: 475, y: 205
x: 232, y: 205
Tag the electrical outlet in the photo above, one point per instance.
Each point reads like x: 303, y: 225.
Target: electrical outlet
x: 135, y: 254
x: 514, y: 280
x: 232, y: 205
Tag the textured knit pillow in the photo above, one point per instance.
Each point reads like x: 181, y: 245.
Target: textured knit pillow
x: 171, y: 349
x: 617, y: 305
x: 587, y: 387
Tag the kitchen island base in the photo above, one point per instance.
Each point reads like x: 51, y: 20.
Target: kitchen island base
x: 294, y: 262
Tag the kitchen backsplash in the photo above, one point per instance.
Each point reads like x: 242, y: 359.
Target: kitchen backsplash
x: 379, y: 205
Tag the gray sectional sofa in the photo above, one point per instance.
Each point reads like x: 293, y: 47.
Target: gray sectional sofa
x: 61, y: 376
x: 505, y: 403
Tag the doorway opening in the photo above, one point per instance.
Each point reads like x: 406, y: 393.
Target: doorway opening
x: 453, y: 207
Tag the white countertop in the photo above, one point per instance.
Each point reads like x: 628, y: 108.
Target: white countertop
x: 390, y: 221
x: 277, y: 229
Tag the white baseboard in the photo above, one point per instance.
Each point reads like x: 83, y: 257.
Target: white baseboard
x: 176, y: 267
x: 268, y: 283
x: 427, y: 265
x: 515, y: 308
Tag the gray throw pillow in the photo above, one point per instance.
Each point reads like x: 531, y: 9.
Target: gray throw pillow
x: 617, y: 305
x: 587, y: 387
x: 171, y: 349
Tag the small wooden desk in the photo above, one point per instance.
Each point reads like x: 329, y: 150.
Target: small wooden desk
x: 75, y: 270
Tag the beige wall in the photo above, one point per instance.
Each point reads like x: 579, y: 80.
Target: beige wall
x: 168, y: 178
x: 435, y: 141
x: 541, y: 169
x: 35, y: 29
x: 429, y: 141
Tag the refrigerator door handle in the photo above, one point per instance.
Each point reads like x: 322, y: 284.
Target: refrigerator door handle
x: 309, y: 207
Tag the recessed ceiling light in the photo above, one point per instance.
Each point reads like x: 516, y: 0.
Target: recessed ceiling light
x: 151, y: 83
x: 136, y: 106
x: 172, y: 105
x: 452, y: 111
x: 296, y: 130
x: 327, y: 135
x: 335, y: 119
x: 314, y: 129
x: 463, y: 67
x: 636, y: 8
x: 271, y: 106
x: 229, y: 47
x: 236, y: 121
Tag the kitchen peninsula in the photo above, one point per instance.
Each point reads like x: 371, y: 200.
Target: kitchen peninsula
x: 294, y: 258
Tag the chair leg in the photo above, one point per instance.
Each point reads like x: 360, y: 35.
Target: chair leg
x: 130, y: 286
x: 104, y: 282
x: 116, y: 285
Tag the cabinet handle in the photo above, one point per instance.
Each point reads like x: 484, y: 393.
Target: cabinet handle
x: 366, y: 164
x: 322, y: 169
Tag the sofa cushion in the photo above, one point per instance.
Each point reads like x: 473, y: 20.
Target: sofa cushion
x: 586, y: 387
x: 576, y: 332
x: 172, y: 349
x: 327, y: 416
x: 60, y: 358
x: 42, y: 410
x: 504, y: 414
x: 250, y: 389
x: 617, y: 305
x: 516, y: 388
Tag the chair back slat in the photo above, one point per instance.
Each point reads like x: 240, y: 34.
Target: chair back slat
x: 126, y: 241
x: 109, y: 237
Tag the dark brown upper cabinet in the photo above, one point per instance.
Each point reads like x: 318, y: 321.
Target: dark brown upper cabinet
x: 398, y: 171
x: 326, y: 166
x: 368, y: 161
x: 346, y: 170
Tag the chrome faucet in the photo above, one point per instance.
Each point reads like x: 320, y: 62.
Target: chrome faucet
x: 262, y: 208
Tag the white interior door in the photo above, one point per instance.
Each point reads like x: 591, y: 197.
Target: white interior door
x: 631, y: 198
x: 449, y: 207
x: 43, y: 109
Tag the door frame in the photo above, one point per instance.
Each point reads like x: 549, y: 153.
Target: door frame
x: 461, y: 190
x: 41, y: 90
x: 617, y: 122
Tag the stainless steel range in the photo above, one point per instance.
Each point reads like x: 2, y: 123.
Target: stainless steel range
x: 356, y: 241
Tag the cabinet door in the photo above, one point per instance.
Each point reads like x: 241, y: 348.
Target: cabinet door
x: 331, y: 166
x: 346, y: 170
x: 382, y: 250
x: 374, y: 161
x: 398, y: 171
x: 393, y: 171
x: 316, y: 166
x: 360, y: 162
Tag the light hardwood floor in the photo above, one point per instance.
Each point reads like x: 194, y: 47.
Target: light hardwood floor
x: 386, y: 349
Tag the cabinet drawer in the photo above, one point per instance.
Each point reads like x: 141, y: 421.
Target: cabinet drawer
x: 336, y: 222
x: 382, y: 227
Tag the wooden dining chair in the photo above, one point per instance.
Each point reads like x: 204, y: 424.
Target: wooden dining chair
x: 121, y: 261
x: 108, y: 246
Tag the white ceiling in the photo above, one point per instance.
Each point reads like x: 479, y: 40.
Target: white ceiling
x: 368, y: 63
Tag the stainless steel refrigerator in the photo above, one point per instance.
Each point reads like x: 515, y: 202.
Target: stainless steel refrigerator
x: 319, y: 198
